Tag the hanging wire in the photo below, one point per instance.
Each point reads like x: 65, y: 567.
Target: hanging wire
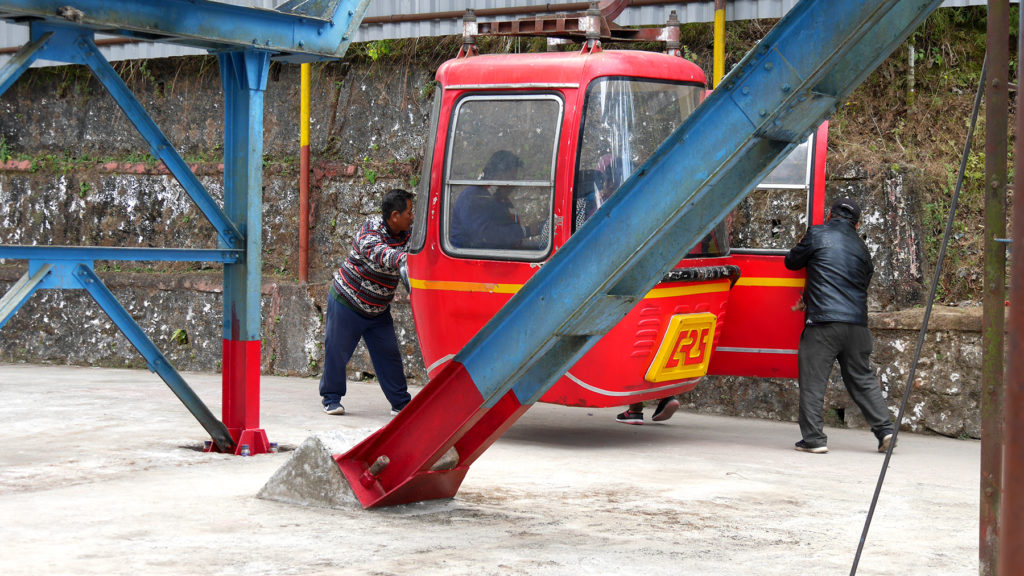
x: 927, y: 314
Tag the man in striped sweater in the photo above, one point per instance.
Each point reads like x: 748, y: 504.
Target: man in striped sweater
x: 359, y: 305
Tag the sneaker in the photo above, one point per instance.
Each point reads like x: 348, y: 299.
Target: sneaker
x: 334, y: 408
x: 666, y: 408
x: 395, y: 411
x: 628, y: 417
x: 883, y: 444
x: 802, y: 446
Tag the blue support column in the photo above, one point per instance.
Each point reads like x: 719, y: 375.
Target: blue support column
x: 245, y: 37
x: 784, y: 88
x: 244, y: 79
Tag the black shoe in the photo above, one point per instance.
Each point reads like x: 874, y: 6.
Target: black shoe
x: 666, y: 408
x: 805, y: 447
x: 884, y: 442
x: 628, y: 417
x: 334, y: 408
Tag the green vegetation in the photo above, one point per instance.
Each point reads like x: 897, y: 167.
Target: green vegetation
x: 180, y: 337
x: 923, y: 135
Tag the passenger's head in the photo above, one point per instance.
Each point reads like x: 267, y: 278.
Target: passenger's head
x: 503, y: 165
x: 396, y: 208
x: 846, y: 209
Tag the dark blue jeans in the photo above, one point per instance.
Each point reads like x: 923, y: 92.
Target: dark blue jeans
x: 344, y: 328
x: 850, y: 344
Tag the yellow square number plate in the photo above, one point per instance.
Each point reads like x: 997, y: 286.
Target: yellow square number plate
x: 685, y: 352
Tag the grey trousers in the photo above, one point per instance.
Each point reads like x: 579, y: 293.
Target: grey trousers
x: 820, y: 346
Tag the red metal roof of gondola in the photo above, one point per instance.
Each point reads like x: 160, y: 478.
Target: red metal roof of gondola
x: 549, y: 68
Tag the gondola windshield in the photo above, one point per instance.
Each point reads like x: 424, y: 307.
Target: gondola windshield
x: 624, y: 122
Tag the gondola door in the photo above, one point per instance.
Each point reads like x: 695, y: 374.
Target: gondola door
x: 765, y: 318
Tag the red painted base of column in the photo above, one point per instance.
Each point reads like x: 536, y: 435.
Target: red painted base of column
x: 241, y: 395
x: 256, y: 440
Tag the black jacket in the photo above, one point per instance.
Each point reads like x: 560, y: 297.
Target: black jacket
x: 839, y: 271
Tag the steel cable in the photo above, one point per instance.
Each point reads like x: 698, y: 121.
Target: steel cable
x: 927, y: 314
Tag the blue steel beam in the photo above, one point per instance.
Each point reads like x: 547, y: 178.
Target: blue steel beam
x: 315, y: 31
x: 769, y: 103
x: 75, y: 45
x: 20, y: 62
x: 80, y: 253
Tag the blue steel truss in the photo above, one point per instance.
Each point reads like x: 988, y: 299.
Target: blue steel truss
x: 297, y: 31
x: 245, y: 40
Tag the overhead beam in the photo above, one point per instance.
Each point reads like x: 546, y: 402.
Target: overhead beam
x: 317, y: 34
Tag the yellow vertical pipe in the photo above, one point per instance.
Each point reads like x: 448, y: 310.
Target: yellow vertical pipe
x: 304, y: 173
x: 719, y: 49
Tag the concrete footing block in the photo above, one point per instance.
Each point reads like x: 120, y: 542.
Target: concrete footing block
x: 311, y: 477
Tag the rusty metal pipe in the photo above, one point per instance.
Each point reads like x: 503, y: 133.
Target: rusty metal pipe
x: 994, y: 293
x: 1011, y: 505
x: 719, y: 45
x: 520, y: 11
x: 304, y: 88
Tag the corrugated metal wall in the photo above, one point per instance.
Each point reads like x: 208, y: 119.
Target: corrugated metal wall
x: 13, y: 35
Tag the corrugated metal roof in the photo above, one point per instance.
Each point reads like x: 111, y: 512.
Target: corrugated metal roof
x: 15, y: 35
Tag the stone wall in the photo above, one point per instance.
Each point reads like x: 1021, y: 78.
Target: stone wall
x: 81, y: 186
x: 945, y: 395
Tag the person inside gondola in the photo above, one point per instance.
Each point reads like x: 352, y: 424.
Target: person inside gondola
x: 484, y: 216
x: 595, y: 187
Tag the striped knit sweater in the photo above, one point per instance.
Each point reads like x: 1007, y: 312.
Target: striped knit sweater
x: 367, y: 280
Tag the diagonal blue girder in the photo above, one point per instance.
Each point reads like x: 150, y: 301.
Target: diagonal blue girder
x: 75, y: 45
x: 69, y: 274
x: 21, y: 291
x: 310, y: 31
x: 155, y: 360
x: 786, y: 86
x: 20, y: 62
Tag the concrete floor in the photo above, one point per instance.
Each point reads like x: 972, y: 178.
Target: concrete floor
x: 101, y: 474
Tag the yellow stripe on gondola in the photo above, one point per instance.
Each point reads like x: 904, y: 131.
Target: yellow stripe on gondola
x: 453, y: 286
x: 783, y: 282
x: 492, y: 288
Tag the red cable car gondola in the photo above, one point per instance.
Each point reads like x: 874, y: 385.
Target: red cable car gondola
x: 523, y: 150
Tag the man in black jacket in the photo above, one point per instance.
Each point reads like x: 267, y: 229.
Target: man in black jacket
x: 839, y: 271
